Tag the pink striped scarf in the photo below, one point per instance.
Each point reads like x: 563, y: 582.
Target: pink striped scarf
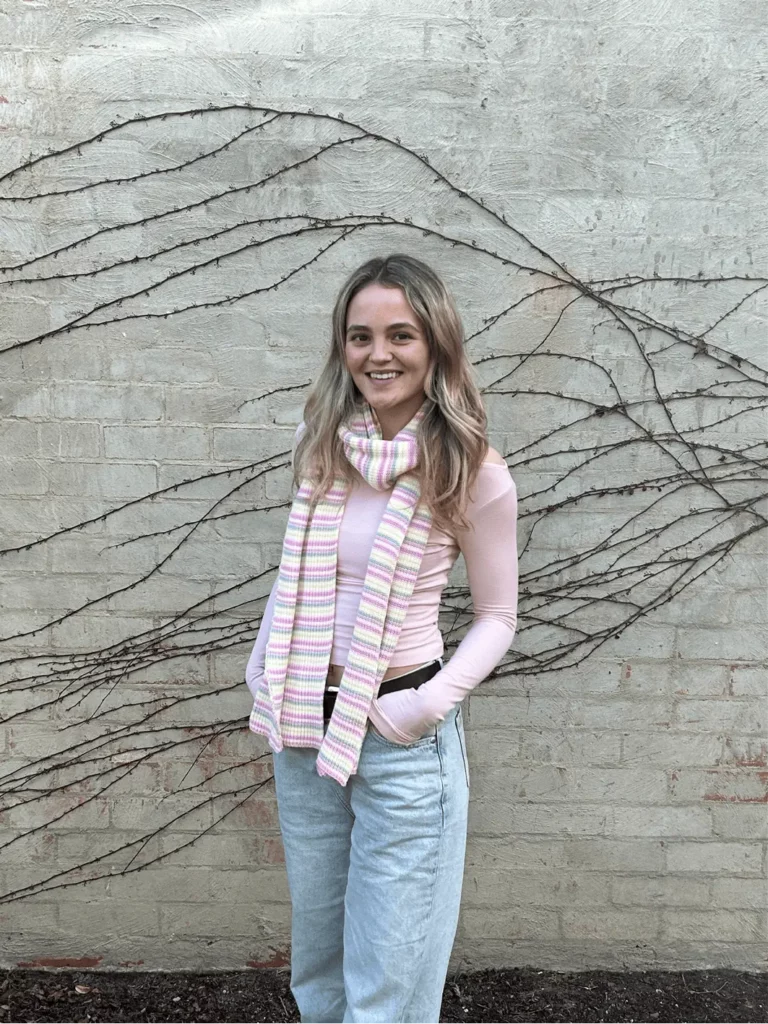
x: 288, y: 708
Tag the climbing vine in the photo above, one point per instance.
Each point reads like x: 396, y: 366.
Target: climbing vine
x: 610, y: 412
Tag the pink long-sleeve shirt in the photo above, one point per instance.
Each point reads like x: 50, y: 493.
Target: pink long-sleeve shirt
x: 489, y: 548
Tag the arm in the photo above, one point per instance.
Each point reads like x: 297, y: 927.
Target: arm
x: 255, y: 668
x: 490, y: 554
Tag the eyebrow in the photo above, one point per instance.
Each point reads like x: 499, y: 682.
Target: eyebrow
x: 362, y: 327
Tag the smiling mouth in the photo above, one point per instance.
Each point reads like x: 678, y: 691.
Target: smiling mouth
x: 394, y: 376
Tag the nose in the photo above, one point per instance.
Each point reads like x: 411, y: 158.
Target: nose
x: 381, y: 351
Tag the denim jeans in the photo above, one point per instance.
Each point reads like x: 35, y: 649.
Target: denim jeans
x: 375, y: 872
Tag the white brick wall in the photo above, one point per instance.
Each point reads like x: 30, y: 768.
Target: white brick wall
x: 618, y: 813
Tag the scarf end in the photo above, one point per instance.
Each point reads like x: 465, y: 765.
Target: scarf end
x: 339, y: 775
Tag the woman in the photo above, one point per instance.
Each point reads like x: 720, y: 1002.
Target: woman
x: 364, y: 719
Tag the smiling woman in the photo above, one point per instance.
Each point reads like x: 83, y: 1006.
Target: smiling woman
x: 347, y: 674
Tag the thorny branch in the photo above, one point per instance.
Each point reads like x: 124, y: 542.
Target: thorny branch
x: 629, y: 440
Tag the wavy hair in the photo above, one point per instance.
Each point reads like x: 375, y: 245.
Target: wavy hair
x: 452, y: 436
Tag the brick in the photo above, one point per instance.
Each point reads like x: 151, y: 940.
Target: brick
x: 748, y: 681
x: 671, y: 749
x: 492, y: 746
x: 109, y: 565
x: 495, y: 817
x: 611, y: 924
x: 210, y: 405
x: 592, y: 677
x: 661, y: 891
x: 571, y: 746
x: 249, y: 921
x: 518, y: 887
x: 715, y: 858
x: 249, y: 444
x: 572, y: 784
x: 661, y: 821
x: 638, y: 855
x: 273, y: 851
x: 746, y: 785
x: 61, y: 811
x: 128, y: 917
x: 30, y: 918
x: 621, y: 714
x: 79, y: 847
x: 250, y: 886
x: 509, y: 923
x: 214, y: 851
x: 112, y: 481
x: 35, y: 848
x: 701, y: 679
x: 211, y: 772
x: 346, y: 36
x: 214, y: 559
x: 745, y: 752
x: 740, y: 821
x: 104, y: 402
x: 52, y: 593
x: 160, y: 365
x: 732, y: 643
x: 524, y: 854
x: 457, y: 41
x: 19, y: 439
x: 23, y: 398
x: 18, y: 476
x: 742, y: 893
x: 730, y: 715
x: 719, y: 925
x: 248, y: 33
x: 70, y: 440
x: 516, y: 712
x: 155, y: 443
x: 150, y: 813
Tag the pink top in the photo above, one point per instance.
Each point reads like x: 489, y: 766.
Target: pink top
x: 490, y: 555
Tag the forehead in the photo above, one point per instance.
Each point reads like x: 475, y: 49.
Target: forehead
x: 377, y: 303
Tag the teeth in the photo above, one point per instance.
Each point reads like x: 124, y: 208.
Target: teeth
x: 382, y: 376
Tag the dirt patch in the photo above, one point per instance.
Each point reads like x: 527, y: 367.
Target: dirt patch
x: 264, y: 996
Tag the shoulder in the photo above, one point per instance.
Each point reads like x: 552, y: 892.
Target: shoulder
x: 493, y: 481
x: 493, y: 458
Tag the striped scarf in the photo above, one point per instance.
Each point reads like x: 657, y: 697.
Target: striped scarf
x: 288, y: 708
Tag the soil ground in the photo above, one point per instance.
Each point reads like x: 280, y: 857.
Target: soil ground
x: 499, y: 995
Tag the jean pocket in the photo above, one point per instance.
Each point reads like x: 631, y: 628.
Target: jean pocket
x: 423, y: 741
x: 459, y: 723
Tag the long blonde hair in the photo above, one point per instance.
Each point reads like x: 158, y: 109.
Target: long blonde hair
x: 452, y: 436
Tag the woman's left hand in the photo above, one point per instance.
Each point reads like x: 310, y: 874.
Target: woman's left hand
x: 399, y: 716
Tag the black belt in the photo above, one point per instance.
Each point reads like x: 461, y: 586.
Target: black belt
x: 411, y: 680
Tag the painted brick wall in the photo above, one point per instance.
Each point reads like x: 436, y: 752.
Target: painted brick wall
x: 618, y: 811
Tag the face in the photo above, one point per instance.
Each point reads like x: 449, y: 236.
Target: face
x: 384, y: 336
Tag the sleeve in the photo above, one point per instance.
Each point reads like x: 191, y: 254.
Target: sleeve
x: 255, y: 667
x: 490, y: 554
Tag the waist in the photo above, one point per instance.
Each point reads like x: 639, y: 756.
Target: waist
x: 406, y: 680
x: 335, y: 672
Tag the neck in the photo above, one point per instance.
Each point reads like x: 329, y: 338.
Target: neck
x: 392, y: 421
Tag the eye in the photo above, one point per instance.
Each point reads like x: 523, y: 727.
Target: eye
x: 404, y: 335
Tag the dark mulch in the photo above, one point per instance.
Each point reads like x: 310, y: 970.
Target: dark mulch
x: 514, y: 995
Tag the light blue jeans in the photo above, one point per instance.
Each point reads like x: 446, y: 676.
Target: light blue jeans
x: 375, y: 871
